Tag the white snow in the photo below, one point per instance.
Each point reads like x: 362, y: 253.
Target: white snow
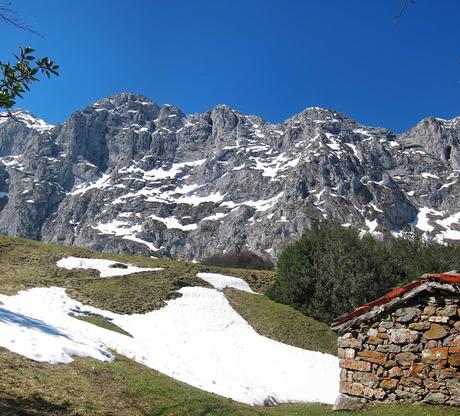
x: 263, y: 204
x: 173, y: 222
x: 31, y: 121
x: 446, y: 223
x: 220, y: 281
x: 124, y: 229
x: 101, y: 183
x: 161, y: 173
x: 215, y: 217
x: 150, y: 245
x: 197, y: 339
x: 371, y: 225
x: 236, y: 168
x: 448, y: 184
x: 429, y: 175
x: 12, y: 161
x: 355, y: 150
x: 197, y: 200
x: 422, y: 220
x: 118, y: 228
x: 52, y: 341
x: 375, y: 207
x: 103, y: 266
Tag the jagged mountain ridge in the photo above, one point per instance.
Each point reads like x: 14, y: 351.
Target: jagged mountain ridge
x: 128, y: 175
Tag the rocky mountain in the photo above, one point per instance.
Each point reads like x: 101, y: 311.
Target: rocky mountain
x: 128, y: 175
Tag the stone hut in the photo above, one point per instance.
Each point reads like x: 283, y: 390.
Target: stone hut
x: 404, y: 346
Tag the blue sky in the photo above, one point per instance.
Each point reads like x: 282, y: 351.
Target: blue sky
x: 272, y: 57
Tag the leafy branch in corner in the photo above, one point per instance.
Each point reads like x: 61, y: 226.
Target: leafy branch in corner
x: 18, y: 77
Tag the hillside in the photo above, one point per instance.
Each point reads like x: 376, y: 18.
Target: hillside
x: 88, y: 386
x: 127, y: 175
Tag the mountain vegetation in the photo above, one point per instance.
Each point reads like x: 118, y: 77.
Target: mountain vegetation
x: 331, y: 270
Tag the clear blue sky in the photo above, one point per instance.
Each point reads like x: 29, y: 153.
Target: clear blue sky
x: 267, y: 57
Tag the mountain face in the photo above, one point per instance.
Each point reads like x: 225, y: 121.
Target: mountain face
x: 128, y: 175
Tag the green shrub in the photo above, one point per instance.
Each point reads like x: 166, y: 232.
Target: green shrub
x: 245, y: 259
x: 331, y: 270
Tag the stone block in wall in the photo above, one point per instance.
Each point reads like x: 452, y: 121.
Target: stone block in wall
x: 395, y: 372
x: 390, y: 364
x: 454, y: 356
x: 367, y: 379
x: 412, y: 348
x: 367, y: 392
x: 419, y: 370
x: 435, y: 398
x: 409, y: 314
x: 443, y: 374
x: 374, y: 340
x: 410, y: 381
x: 436, y: 331
x: 449, y: 310
x: 349, y: 343
x: 389, y: 348
x: 345, y: 402
x: 407, y: 394
x: 355, y: 365
x: 405, y: 359
x: 429, y: 310
x: 455, y: 342
x: 346, y: 353
x: 345, y: 387
x: 389, y: 384
x: 403, y: 336
x: 373, y: 356
x: 454, y: 391
x: 439, y: 319
x: 431, y: 384
x: 434, y: 355
x: 419, y: 326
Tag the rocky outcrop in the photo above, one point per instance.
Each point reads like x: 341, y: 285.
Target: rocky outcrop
x: 128, y: 175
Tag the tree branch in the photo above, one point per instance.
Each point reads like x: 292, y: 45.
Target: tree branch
x: 10, y: 17
x: 403, y: 9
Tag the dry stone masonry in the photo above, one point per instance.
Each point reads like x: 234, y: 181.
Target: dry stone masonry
x: 404, y: 347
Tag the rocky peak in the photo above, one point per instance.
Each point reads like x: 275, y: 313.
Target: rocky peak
x: 436, y: 137
x: 128, y: 175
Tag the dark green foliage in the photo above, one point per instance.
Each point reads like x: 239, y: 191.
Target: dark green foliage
x: 18, y: 77
x: 330, y: 270
x: 245, y: 259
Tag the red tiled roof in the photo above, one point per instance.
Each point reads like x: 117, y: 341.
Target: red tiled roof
x: 443, y: 278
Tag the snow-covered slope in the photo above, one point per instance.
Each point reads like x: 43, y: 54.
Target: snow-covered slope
x: 197, y: 338
x: 128, y: 175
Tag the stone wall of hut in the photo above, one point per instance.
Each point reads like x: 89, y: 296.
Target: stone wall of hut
x: 410, y: 354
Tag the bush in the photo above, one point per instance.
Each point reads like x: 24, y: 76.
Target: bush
x: 330, y: 270
x: 245, y: 259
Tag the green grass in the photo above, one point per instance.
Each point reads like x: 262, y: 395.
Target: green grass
x: 26, y: 264
x: 282, y: 323
x: 102, y: 322
x: 88, y: 387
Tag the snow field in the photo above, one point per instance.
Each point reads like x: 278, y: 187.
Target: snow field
x: 197, y: 338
